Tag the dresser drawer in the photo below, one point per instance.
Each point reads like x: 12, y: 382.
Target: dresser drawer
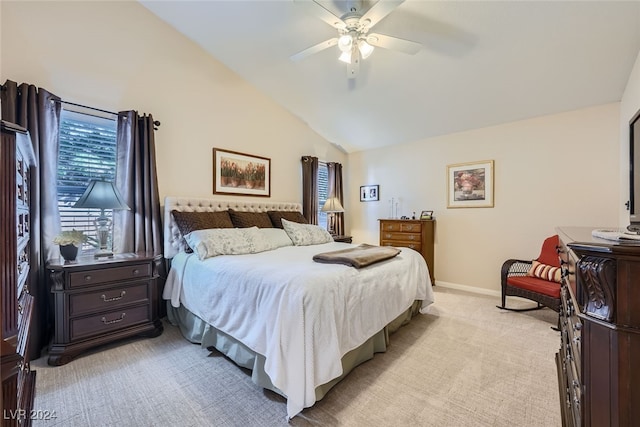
x: 108, y: 299
x: 102, y: 323
x: 407, y: 227
x: 105, y: 275
x: 405, y: 237
x: 416, y: 246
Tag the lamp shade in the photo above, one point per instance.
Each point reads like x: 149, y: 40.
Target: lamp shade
x: 101, y: 194
x: 332, y: 205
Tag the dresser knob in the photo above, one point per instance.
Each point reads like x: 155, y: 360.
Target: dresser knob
x: 388, y: 236
x: 87, y: 278
x: 136, y: 271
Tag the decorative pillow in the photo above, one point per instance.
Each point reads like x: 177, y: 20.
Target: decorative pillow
x: 227, y: 241
x: 250, y: 219
x: 544, y: 271
x: 190, y: 221
x: 276, y: 237
x: 293, y: 216
x: 306, y: 234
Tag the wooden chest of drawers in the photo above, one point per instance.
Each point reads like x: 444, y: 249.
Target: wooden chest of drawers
x: 414, y: 234
x: 598, y: 369
x: 100, y: 301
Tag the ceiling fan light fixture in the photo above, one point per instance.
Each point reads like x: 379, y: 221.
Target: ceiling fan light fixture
x: 345, y: 57
x: 345, y: 43
x: 365, y: 49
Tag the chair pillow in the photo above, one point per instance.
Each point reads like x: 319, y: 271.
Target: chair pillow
x: 544, y: 271
x: 293, y: 216
x: 306, y: 234
x: 250, y: 219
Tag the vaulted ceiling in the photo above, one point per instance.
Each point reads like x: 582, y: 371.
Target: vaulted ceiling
x: 482, y: 62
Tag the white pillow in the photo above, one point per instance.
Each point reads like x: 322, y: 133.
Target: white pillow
x: 227, y: 241
x: 276, y: 237
x: 306, y: 234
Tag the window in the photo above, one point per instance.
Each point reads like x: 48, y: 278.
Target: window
x: 87, y: 150
x: 323, y: 192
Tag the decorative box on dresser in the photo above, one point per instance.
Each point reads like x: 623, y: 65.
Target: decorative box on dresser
x: 599, y: 358
x: 410, y: 233
x: 18, y: 381
x: 99, y: 301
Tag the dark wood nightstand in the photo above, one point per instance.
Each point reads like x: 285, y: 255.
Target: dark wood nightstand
x: 344, y: 239
x: 99, y: 301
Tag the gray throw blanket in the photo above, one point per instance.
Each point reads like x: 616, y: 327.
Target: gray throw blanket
x: 358, y: 257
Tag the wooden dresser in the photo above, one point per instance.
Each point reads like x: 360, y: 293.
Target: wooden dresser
x: 599, y: 358
x: 18, y: 381
x: 99, y: 301
x: 410, y: 233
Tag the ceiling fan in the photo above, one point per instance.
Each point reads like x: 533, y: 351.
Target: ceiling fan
x: 354, y: 40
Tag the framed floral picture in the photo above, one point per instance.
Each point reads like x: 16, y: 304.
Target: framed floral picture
x: 241, y: 174
x: 470, y: 185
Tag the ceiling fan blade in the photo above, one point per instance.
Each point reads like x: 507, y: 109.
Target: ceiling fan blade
x: 394, y: 43
x: 318, y: 10
x: 314, y: 49
x: 378, y: 11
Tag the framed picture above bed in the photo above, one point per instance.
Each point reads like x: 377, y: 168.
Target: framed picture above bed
x: 241, y: 174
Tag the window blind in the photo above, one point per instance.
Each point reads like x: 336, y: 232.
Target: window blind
x: 87, y: 149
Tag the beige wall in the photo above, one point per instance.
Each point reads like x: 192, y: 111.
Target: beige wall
x: 119, y: 56
x: 554, y: 170
x: 549, y: 171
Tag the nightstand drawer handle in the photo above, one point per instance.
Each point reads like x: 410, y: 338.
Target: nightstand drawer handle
x: 388, y: 236
x: 110, y: 322
x: 87, y: 278
x: 136, y: 271
x: 105, y: 299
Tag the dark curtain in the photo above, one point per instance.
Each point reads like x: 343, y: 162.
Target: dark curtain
x: 140, y: 228
x: 334, y: 175
x: 310, y: 189
x: 38, y: 111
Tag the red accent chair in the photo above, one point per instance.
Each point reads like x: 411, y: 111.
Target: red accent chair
x: 516, y: 282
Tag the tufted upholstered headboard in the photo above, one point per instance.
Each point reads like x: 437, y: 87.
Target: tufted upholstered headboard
x: 172, y: 236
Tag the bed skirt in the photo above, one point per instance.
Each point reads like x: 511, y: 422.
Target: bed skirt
x: 197, y: 331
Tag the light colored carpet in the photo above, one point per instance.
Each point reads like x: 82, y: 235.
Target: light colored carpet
x: 466, y: 363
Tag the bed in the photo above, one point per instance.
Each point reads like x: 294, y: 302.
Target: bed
x: 299, y: 325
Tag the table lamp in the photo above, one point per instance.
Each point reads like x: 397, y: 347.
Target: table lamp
x: 331, y: 206
x: 103, y: 195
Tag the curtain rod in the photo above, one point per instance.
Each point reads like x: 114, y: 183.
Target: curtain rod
x: 155, y: 122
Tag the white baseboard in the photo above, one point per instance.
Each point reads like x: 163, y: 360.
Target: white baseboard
x: 471, y: 289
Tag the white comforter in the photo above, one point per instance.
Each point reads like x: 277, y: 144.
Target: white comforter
x: 302, y: 316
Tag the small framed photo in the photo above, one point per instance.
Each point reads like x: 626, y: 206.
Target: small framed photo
x: 426, y: 215
x: 470, y: 185
x: 369, y: 193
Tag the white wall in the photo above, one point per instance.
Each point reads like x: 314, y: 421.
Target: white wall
x: 549, y: 171
x: 119, y: 56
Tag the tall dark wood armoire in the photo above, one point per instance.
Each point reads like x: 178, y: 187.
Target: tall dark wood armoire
x: 18, y: 381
